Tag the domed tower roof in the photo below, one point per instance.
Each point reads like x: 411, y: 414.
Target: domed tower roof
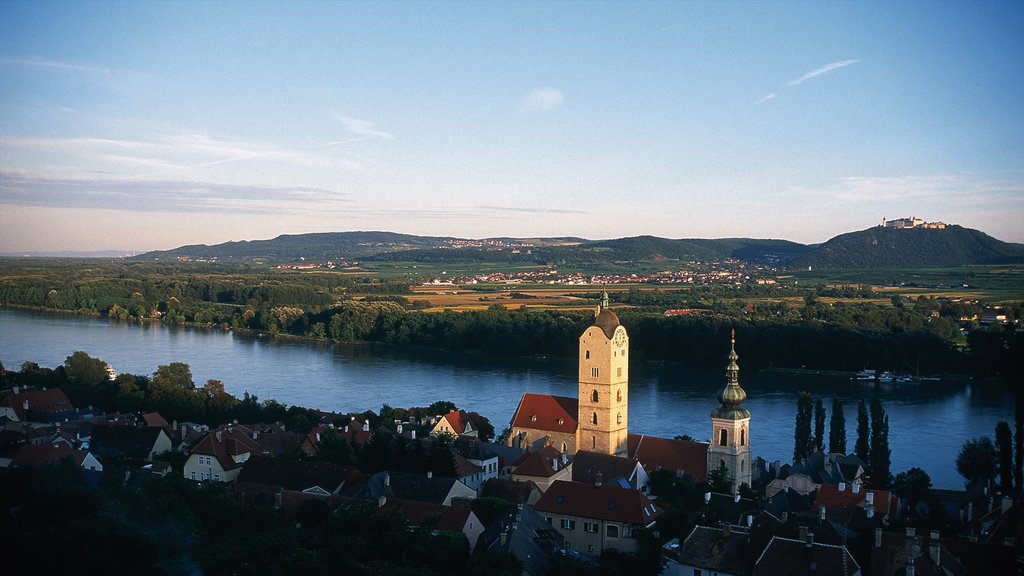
x: 732, y: 396
x: 605, y: 319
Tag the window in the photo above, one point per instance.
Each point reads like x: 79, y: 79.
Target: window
x: 588, y: 354
x: 594, y: 397
x: 216, y: 477
x: 594, y: 439
x: 723, y: 438
x: 696, y: 572
x: 193, y: 475
x: 618, y: 418
x: 618, y: 396
x: 548, y: 518
x: 612, y: 531
x: 593, y: 372
x: 618, y: 372
x: 743, y: 437
x: 590, y: 527
x: 594, y: 418
x: 568, y: 524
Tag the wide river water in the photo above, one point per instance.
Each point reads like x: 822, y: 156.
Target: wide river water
x: 927, y: 423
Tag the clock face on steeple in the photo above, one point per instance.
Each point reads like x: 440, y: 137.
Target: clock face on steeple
x: 620, y: 340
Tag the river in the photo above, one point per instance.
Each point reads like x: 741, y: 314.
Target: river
x: 927, y: 423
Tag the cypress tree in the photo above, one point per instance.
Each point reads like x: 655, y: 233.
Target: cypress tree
x: 819, y: 425
x: 837, y: 429
x: 1004, y: 446
x: 802, y: 441
x: 880, y: 453
x: 862, y: 448
x: 1018, y: 440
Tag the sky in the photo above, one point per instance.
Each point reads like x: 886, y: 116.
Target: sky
x: 151, y: 125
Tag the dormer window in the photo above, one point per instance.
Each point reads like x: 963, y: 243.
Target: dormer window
x: 533, y: 418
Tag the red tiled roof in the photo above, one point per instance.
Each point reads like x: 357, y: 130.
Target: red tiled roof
x: 50, y: 400
x: 625, y: 505
x: 653, y: 453
x: 463, y: 467
x: 831, y: 498
x: 546, y: 412
x: 540, y: 463
x: 38, y: 454
x: 225, y: 443
x: 451, y: 519
x: 457, y: 420
x: 155, y: 419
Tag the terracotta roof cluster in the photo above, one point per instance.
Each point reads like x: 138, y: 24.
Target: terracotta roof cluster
x: 831, y: 496
x: 517, y: 491
x: 663, y: 453
x: 546, y: 412
x: 625, y: 505
x: 402, y: 485
x: 544, y: 463
x: 51, y: 401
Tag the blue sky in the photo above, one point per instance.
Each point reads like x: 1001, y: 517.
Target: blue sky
x: 147, y: 125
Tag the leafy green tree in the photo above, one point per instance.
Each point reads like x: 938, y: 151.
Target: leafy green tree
x: 485, y: 430
x: 720, y: 480
x: 335, y: 448
x: 488, y: 562
x: 880, y: 463
x: 863, y: 449
x: 1004, y: 446
x: 819, y: 425
x: 913, y: 485
x: 976, y: 461
x: 803, y: 442
x: 176, y: 375
x: 837, y: 429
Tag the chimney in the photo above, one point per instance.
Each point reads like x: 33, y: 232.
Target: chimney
x: 318, y: 437
x: 707, y: 497
x: 430, y: 473
x: 381, y: 501
x: 398, y: 428
x: 412, y: 434
x: 352, y: 418
x: 346, y: 428
x: 387, y: 479
x: 235, y: 421
x: 842, y: 486
x: 785, y: 517
x: 810, y: 540
x: 803, y: 533
x: 736, y: 498
x: 821, y: 513
x: 565, y: 459
x: 597, y: 479
x: 911, y: 532
x: 24, y: 405
x: 933, y: 550
x: 910, y: 566
x: 878, y: 537
x: 218, y: 435
x: 869, y: 497
x: 366, y: 426
x: 16, y: 389
x: 255, y: 435
x: 750, y: 520
x: 870, y: 510
x: 855, y: 487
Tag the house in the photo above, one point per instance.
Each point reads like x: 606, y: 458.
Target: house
x: 841, y: 495
x: 285, y: 482
x: 593, y: 518
x: 43, y: 406
x: 595, y: 467
x: 220, y: 454
x: 527, y: 536
x: 789, y: 557
x: 357, y: 433
x: 48, y: 453
x: 455, y: 422
x: 679, y: 456
x: 129, y: 442
x: 542, y: 419
x: 421, y: 487
x: 479, y: 455
x: 706, y: 550
x: 441, y: 518
x: 512, y: 490
x: 543, y: 467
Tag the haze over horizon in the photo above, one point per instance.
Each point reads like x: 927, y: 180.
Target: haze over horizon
x: 151, y: 125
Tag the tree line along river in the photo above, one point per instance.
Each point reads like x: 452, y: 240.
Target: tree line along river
x: 927, y: 422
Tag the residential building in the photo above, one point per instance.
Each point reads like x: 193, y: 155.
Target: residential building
x: 129, y: 442
x: 220, y: 454
x: 543, y: 467
x: 720, y: 551
x: 593, y: 518
x: 804, y: 558
x: 442, y: 518
x: 457, y: 423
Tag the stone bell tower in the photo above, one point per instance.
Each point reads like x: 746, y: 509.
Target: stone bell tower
x: 730, y: 427
x: 604, y: 384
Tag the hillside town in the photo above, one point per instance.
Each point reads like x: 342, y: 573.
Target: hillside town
x: 571, y: 479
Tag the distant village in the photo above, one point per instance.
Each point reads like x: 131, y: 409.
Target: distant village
x: 576, y: 481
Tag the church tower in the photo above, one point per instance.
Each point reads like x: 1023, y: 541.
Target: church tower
x: 604, y: 384
x: 730, y: 428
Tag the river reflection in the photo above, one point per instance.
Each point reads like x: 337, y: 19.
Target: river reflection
x: 928, y: 423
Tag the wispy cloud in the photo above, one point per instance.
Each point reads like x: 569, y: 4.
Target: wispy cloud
x: 823, y: 70
x: 766, y: 98
x: 541, y: 100
x: 53, y: 64
x: 532, y: 210
x: 22, y: 189
x: 359, y: 127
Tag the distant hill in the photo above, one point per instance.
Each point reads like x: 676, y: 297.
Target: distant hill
x: 871, y: 248
x: 891, y: 247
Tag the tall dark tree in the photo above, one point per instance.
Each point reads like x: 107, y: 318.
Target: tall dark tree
x: 862, y: 449
x: 819, y: 425
x: 1018, y: 441
x: 837, y: 429
x: 976, y: 461
x: 880, y: 455
x: 802, y: 441
x: 1004, y: 447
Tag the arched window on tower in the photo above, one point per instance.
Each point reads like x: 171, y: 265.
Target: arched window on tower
x: 563, y: 447
x: 594, y: 418
x: 618, y: 396
x: 588, y: 354
x: 723, y: 438
x: 594, y: 397
x: 594, y: 440
x: 743, y: 437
